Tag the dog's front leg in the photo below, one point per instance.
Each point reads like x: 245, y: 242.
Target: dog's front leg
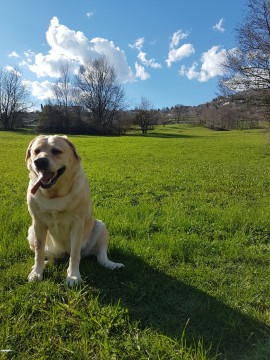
x: 76, y: 235
x: 40, y: 232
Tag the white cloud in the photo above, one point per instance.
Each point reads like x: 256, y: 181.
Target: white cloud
x: 40, y: 90
x: 219, y: 26
x: 89, y: 14
x: 178, y: 54
x: 211, y: 65
x: 14, y: 54
x: 138, y: 44
x: 76, y: 49
x: 140, y: 72
x: 177, y: 37
x: 212, y: 60
x: 151, y: 63
x: 28, y: 58
x: 190, y: 72
x: 13, y: 70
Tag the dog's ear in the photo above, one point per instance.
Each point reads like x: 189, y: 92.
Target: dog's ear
x: 72, y: 147
x: 28, y: 151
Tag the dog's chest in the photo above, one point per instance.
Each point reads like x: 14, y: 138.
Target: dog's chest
x: 58, y: 224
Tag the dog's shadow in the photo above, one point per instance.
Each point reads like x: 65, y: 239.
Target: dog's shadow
x: 169, y: 306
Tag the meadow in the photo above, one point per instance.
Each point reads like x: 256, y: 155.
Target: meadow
x: 188, y: 211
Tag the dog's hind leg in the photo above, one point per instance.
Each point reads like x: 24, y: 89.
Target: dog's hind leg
x: 100, y: 240
x: 103, y: 243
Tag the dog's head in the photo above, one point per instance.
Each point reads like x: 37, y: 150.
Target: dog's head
x: 49, y: 158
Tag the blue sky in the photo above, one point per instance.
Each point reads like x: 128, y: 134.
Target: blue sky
x: 167, y: 51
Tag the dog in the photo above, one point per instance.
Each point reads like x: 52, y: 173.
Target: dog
x: 58, y: 199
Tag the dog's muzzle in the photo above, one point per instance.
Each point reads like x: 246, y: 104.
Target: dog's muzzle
x: 41, y: 163
x: 46, y: 179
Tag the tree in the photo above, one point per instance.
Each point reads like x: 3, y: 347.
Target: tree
x: 65, y: 97
x: 145, y: 116
x: 50, y: 119
x: 248, y: 66
x: 14, y: 97
x: 101, y: 94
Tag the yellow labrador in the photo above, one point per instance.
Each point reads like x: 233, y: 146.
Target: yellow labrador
x: 58, y: 199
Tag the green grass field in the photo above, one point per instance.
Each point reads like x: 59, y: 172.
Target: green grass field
x: 188, y: 210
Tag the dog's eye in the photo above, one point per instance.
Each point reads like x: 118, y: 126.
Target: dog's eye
x: 56, y: 151
x: 37, y: 151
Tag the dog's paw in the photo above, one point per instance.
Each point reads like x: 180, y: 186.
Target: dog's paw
x: 35, y: 275
x: 117, y: 266
x: 73, y: 280
x: 112, y: 265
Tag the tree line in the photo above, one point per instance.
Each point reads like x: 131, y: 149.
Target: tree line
x: 92, y: 102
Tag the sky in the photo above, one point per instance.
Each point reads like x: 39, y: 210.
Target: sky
x: 166, y: 51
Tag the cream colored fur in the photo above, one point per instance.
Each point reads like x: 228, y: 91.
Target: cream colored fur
x: 62, y: 221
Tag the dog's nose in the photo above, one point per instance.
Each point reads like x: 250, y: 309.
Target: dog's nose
x: 42, y: 163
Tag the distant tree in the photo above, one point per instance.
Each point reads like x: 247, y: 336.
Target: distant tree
x: 62, y: 89
x: 66, y: 99
x: 101, y: 94
x: 14, y: 97
x: 179, y: 111
x: 50, y: 119
x: 248, y: 66
x: 145, y: 115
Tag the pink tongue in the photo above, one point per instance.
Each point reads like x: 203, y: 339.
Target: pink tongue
x: 42, y: 176
x: 37, y: 184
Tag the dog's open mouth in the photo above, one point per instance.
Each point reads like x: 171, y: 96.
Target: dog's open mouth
x: 46, y: 179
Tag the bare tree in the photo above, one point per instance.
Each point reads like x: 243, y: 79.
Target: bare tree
x: 62, y: 89
x: 101, y: 94
x: 61, y: 92
x: 179, y: 112
x: 248, y: 66
x: 14, y: 97
x: 65, y: 106
x: 145, y: 116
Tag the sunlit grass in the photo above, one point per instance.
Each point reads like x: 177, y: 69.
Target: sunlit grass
x: 188, y: 213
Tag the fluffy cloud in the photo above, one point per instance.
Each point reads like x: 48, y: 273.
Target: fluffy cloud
x: 89, y: 14
x: 40, y: 90
x: 219, y: 26
x: 211, y: 65
x: 140, y: 72
x: 140, y: 69
x: 12, y: 69
x: 138, y: 44
x: 151, y: 63
x: 76, y: 49
x: 14, y: 54
x: 28, y: 57
x: 177, y: 37
x: 178, y: 53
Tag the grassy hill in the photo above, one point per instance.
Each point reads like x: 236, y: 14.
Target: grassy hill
x: 188, y: 213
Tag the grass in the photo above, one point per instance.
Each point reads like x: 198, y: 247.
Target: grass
x: 188, y: 213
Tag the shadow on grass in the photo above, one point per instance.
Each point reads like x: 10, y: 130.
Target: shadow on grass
x: 140, y: 135
x: 163, y: 303
x: 162, y: 135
